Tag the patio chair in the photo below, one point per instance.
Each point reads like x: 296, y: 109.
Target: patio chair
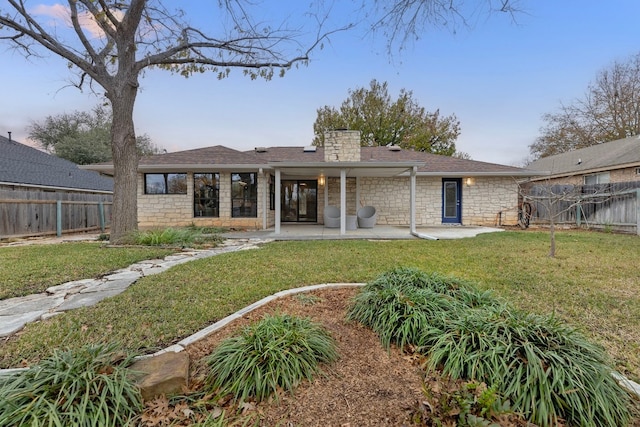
x: 331, y: 217
x: 367, y: 216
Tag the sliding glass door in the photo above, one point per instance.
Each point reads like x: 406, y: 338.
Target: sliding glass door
x: 299, y: 201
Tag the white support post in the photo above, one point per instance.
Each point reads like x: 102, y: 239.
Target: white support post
x: 343, y: 202
x: 265, y: 196
x: 412, y: 200
x: 277, y: 202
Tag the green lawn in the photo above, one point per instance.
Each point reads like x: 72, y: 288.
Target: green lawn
x: 592, y: 283
x: 32, y: 269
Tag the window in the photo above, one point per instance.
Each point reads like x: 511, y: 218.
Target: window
x: 165, y: 183
x: 597, y: 178
x: 272, y: 193
x: 206, y: 192
x: 637, y: 171
x: 244, y: 195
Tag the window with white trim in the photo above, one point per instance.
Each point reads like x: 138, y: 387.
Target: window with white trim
x: 597, y: 178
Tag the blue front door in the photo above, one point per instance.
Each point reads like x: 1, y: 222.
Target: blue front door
x: 451, y: 201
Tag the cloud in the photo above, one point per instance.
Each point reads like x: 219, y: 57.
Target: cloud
x: 61, y: 14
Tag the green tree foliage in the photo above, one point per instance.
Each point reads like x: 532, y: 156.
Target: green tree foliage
x: 608, y: 111
x: 384, y: 121
x: 82, y: 137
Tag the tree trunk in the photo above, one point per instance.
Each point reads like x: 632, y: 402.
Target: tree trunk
x: 552, y: 234
x: 125, y: 162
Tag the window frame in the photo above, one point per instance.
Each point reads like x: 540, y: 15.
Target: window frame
x: 204, y: 203
x: 244, y: 198
x: 598, y: 178
x: 167, y: 185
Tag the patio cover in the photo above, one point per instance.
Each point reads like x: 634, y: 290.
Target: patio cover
x: 346, y: 170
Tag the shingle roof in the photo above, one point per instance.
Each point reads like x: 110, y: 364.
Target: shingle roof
x: 21, y: 164
x: 219, y: 155
x: 433, y: 163
x: 609, y: 155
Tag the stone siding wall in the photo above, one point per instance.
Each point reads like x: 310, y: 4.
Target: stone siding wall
x: 488, y: 201
x: 176, y: 210
x: 342, y: 146
x: 334, y: 194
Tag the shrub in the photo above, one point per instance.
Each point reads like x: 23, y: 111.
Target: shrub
x: 399, y: 305
x: 172, y: 237
x: 549, y: 370
x: 276, y: 353
x: 86, y: 387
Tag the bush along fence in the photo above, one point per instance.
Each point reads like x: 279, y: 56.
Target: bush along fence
x: 66, y: 213
x: 607, y: 207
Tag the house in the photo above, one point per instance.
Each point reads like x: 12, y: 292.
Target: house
x: 596, y: 187
x: 32, y: 182
x: 611, y: 162
x: 270, y: 186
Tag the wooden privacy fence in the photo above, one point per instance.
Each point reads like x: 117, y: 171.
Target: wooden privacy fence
x: 49, y: 213
x: 617, y: 210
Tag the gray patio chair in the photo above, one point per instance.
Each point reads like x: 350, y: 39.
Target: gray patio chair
x: 331, y: 217
x: 367, y: 216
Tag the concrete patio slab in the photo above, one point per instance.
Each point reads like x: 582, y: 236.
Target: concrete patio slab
x: 379, y: 232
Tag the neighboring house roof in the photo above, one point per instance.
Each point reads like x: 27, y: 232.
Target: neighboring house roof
x: 24, y: 165
x: 621, y: 153
x: 298, y: 157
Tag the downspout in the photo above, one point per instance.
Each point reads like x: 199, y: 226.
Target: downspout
x: 343, y: 202
x: 277, y: 202
x: 412, y: 208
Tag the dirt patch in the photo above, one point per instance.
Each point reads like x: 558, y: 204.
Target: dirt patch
x: 368, y: 386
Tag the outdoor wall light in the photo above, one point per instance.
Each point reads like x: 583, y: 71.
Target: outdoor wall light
x: 469, y: 181
x: 321, y: 180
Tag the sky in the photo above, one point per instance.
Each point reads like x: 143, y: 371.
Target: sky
x: 498, y: 76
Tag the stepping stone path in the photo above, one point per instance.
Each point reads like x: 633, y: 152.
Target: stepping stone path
x: 15, y: 313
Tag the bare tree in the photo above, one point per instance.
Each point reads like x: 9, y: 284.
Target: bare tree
x: 403, y: 21
x: 554, y: 203
x: 609, y: 110
x: 114, y: 42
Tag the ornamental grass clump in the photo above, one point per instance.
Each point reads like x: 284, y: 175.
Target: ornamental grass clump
x: 400, y: 304
x: 550, y: 371
x: 89, y: 386
x: 274, y: 354
x: 173, y: 237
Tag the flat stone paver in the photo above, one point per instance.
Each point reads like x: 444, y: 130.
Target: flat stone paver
x: 9, y: 325
x: 15, y: 313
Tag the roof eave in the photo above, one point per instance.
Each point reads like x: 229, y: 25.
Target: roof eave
x: 183, y: 167
x: 345, y: 165
x: 53, y: 187
x: 526, y: 173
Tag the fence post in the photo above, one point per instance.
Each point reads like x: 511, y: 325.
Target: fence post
x: 59, y: 218
x: 579, y: 214
x: 638, y: 211
x: 101, y: 214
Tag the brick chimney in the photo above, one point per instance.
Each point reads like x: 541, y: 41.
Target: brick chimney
x: 342, y: 146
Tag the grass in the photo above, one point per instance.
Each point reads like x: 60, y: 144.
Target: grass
x: 592, y: 284
x: 32, y: 269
